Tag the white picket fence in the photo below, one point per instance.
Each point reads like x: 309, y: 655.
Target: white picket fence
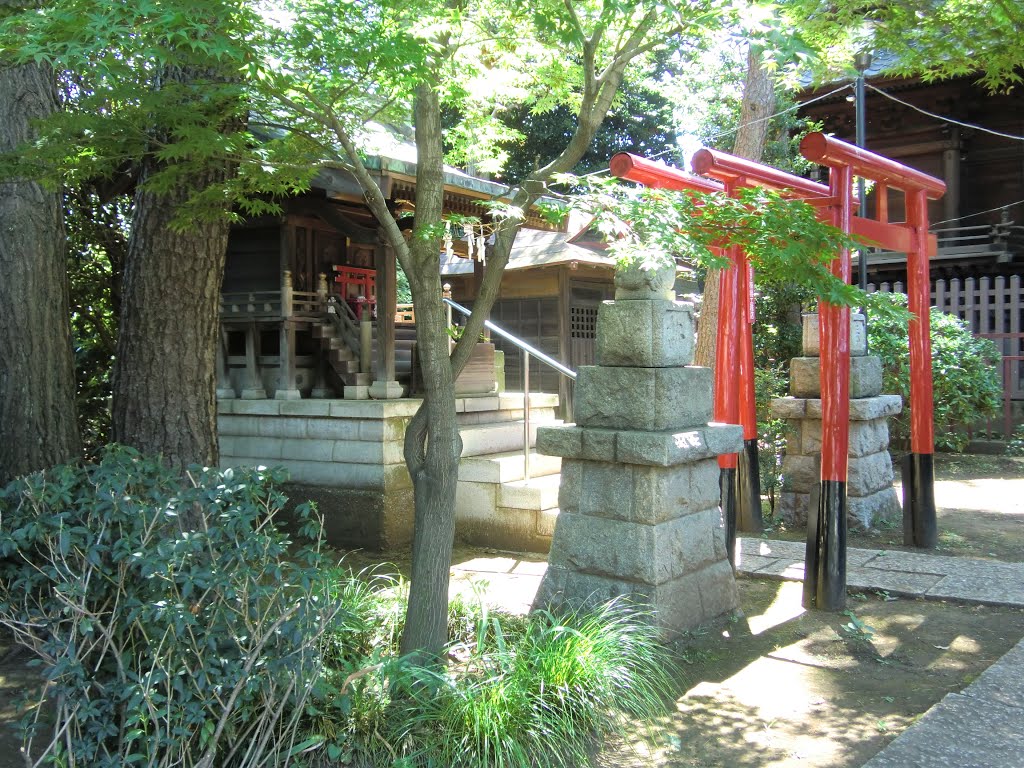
x: 994, y: 309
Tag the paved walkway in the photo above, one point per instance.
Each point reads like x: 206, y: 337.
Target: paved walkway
x: 899, y: 573
x: 979, y: 727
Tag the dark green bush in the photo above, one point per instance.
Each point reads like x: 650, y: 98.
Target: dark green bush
x: 217, y: 642
x: 162, y: 643
x: 965, y: 378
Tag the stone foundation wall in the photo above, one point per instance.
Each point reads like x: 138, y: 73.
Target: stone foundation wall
x: 344, y: 454
x: 347, y: 455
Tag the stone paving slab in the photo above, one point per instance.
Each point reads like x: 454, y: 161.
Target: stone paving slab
x: 912, y: 562
x: 1003, y: 682
x: 962, y: 732
x: 980, y: 587
x: 905, y: 573
x: 898, y: 583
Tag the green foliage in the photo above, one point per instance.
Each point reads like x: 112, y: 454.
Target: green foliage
x: 965, y: 379
x: 857, y: 629
x: 778, y: 333
x: 175, y: 623
x: 770, y: 382
x: 782, y: 238
x: 161, y: 87
x: 944, y: 38
x: 97, y: 232
x: 536, y: 691
x: 1015, y: 446
x: 547, y: 696
x: 641, y: 122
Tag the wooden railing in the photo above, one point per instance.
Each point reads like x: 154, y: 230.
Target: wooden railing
x: 405, y: 313
x: 996, y: 241
x: 250, y: 305
x: 307, y: 304
x: 345, y: 323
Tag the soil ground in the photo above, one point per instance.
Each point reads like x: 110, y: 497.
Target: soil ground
x: 781, y: 687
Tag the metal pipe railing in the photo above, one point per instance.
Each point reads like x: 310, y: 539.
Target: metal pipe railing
x: 528, y: 350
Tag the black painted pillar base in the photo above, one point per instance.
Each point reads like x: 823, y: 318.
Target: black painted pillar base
x: 825, y: 560
x: 920, y: 528
x: 727, y: 488
x: 748, y: 490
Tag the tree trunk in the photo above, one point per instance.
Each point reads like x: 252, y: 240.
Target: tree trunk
x: 38, y: 426
x: 751, y: 138
x: 434, y: 465
x: 432, y: 441
x: 164, y: 373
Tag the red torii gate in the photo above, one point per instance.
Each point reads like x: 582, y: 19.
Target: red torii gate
x: 825, y: 567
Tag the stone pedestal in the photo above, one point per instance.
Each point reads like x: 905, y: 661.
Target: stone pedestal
x: 383, y: 390
x: 639, y: 498
x: 871, y: 498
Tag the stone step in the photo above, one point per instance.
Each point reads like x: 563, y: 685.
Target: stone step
x: 478, y: 439
x: 506, y: 467
x: 343, y: 362
x: 537, y: 493
x: 322, y: 331
x: 468, y: 418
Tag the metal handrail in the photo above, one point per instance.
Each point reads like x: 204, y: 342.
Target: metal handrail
x: 567, y: 372
x: 529, y: 350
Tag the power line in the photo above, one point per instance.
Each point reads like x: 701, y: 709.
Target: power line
x: 793, y: 108
x: 978, y: 213
x: 941, y: 117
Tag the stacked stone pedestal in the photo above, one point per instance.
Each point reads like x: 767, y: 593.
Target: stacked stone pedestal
x: 639, y: 497
x: 871, y: 498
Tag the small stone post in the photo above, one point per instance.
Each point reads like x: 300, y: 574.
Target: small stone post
x: 286, y: 388
x: 871, y: 497
x: 639, y: 498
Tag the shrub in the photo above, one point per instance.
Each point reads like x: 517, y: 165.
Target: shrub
x: 163, y: 644
x: 518, y: 691
x: 1015, y: 446
x: 965, y: 379
x: 219, y: 642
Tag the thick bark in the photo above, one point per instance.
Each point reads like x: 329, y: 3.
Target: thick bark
x: 751, y: 138
x: 38, y: 425
x: 164, y: 376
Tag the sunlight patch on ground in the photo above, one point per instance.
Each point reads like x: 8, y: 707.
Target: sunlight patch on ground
x: 784, y: 607
x: 774, y: 696
x: 1005, y: 497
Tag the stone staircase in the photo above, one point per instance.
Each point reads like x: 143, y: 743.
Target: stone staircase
x: 495, y: 506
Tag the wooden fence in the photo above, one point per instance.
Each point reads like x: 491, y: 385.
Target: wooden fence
x: 993, y: 307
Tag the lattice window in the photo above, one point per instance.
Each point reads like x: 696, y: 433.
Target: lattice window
x: 583, y: 322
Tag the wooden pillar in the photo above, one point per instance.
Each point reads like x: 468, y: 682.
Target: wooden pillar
x: 225, y: 391
x: 286, y: 388
x: 385, y: 386
x: 951, y: 174
x: 478, y: 279
x: 252, y: 389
